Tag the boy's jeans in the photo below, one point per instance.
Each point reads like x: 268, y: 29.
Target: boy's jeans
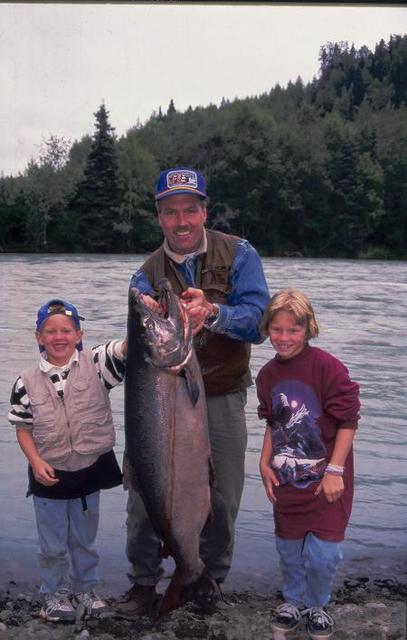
x: 64, y: 528
x: 308, y: 566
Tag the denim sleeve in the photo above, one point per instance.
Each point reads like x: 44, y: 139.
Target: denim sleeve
x: 240, y: 318
x: 140, y: 281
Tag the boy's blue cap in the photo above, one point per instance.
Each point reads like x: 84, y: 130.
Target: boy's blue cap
x: 53, y: 307
x: 180, y: 180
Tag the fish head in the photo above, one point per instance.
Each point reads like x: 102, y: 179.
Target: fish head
x: 162, y: 329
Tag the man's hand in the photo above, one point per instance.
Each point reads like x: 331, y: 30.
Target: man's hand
x: 197, y: 307
x: 150, y: 303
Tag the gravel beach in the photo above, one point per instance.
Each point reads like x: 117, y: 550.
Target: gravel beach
x: 363, y: 609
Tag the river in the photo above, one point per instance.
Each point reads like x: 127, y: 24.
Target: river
x: 361, y: 307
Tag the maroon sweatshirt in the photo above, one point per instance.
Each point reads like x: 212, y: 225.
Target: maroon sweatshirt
x: 305, y: 400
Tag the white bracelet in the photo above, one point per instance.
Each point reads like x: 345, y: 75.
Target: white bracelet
x: 335, y: 469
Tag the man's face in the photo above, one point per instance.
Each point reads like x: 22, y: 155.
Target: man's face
x: 182, y: 219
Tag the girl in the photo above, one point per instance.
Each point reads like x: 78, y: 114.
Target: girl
x: 311, y: 407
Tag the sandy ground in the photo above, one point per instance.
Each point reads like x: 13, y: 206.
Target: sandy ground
x: 363, y: 609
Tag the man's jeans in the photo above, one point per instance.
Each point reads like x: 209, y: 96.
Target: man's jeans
x: 228, y: 437
x: 308, y: 566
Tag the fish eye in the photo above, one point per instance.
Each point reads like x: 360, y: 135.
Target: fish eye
x: 149, y: 323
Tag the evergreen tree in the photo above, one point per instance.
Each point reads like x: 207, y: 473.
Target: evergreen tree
x: 13, y: 212
x: 171, y: 108
x: 96, y: 201
x: 137, y: 227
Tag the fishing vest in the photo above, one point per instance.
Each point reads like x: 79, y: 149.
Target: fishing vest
x: 81, y: 421
x: 224, y: 361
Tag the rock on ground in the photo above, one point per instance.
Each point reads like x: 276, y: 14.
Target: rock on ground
x: 361, y: 610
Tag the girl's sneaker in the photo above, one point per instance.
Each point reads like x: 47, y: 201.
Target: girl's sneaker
x: 287, y: 617
x: 57, y: 607
x: 320, y: 624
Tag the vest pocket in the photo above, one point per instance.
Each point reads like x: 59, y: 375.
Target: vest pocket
x: 97, y: 435
x: 216, y: 278
x: 89, y: 402
x: 43, y: 411
x: 44, y: 437
x: 217, y: 292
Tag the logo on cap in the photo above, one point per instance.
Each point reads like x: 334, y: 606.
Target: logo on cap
x: 182, y: 178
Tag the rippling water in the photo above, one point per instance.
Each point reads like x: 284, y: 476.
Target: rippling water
x: 361, y: 308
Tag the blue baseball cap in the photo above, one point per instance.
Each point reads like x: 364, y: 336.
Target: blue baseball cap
x: 55, y: 307
x: 180, y: 180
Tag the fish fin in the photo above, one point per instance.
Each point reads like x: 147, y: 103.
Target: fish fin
x: 129, y: 476
x: 126, y: 472
x: 178, y: 593
x: 207, y: 593
x: 212, y: 473
x: 192, y: 385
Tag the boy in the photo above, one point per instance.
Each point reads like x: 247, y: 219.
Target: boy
x: 311, y: 407
x: 62, y: 414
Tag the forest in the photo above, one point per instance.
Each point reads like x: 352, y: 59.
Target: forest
x: 313, y: 170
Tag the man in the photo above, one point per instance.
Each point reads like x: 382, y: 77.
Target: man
x: 220, y: 278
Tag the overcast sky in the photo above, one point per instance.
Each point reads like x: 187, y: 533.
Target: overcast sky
x: 58, y: 62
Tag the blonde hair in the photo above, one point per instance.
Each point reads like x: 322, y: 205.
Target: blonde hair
x: 295, y: 302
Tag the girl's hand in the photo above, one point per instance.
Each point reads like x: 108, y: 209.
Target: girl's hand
x: 269, y: 480
x: 44, y: 473
x: 332, y: 486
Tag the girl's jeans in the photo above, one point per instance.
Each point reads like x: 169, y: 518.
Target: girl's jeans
x: 64, y: 528
x: 308, y: 566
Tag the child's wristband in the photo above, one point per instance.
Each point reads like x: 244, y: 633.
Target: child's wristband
x: 335, y: 469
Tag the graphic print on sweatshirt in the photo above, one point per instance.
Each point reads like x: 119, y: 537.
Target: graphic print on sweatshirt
x: 298, y: 449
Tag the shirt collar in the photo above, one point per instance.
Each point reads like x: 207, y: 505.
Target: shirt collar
x: 179, y: 258
x: 49, y: 368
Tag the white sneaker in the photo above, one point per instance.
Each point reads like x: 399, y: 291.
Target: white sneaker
x: 92, y: 603
x: 320, y: 625
x: 287, y: 617
x: 57, y: 607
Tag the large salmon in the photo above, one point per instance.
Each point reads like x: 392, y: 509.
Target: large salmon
x: 167, y: 442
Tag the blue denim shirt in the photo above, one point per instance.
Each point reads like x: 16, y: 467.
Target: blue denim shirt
x: 240, y: 318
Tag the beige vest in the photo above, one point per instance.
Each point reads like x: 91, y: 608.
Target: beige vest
x: 80, y: 422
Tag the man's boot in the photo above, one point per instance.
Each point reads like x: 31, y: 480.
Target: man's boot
x: 139, y: 600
